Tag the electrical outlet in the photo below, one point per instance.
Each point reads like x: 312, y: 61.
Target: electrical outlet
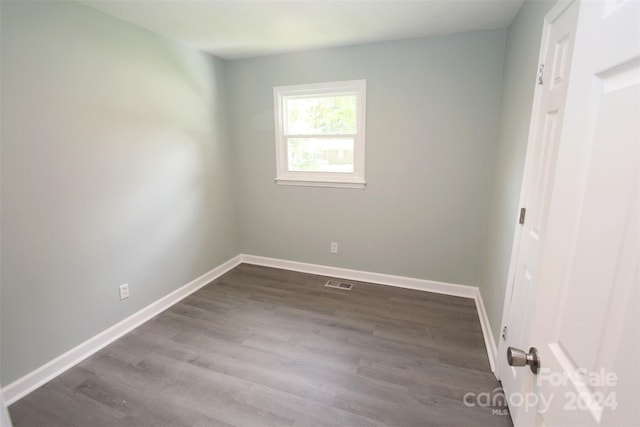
x: 334, y: 247
x: 124, y: 291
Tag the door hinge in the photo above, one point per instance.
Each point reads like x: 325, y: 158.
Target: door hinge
x: 523, y: 213
x: 541, y: 74
x: 504, y: 333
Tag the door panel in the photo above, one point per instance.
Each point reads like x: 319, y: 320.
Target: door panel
x: 589, y: 280
x: 585, y: 315
x: 593, y: 299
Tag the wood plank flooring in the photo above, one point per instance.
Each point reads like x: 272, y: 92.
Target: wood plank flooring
x: 269, y: 347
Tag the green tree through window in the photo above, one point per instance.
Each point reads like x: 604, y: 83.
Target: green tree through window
x: 320, y: 132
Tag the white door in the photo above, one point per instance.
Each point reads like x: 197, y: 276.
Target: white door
x: 544, y: 138
x: 585, y: 316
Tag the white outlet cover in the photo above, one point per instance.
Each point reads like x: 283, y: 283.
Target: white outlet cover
x: 124, y: 291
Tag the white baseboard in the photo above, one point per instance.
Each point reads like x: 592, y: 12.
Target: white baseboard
x: 489, y: 340
x: 365, y: 276
x: 57, y: 366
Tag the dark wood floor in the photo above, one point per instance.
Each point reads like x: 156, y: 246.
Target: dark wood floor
x: 262, y: 346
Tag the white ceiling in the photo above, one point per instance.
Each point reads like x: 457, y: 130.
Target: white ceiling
x: 233, y: 29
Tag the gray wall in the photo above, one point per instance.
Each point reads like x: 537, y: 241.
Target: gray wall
x: 432, y: 116
x: 520, y: 69
x: 115, y: 168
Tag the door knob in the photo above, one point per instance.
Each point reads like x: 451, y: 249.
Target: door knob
x: 517, y: 357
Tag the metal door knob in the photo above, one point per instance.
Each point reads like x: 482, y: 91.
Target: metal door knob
x: 517, y: 357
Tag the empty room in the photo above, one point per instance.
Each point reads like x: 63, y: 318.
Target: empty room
x: 320, y: 213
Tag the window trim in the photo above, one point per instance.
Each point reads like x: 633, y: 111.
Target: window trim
x: 354, y: 179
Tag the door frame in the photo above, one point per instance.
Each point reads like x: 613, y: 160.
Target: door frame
x: 549, y: 18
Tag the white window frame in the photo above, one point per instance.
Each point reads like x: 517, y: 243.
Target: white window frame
x: 354, y: 179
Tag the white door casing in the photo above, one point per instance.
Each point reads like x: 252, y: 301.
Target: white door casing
x: 585, y: 316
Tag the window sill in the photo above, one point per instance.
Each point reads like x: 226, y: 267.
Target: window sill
x: 316, y: 183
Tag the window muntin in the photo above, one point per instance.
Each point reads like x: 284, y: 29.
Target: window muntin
x: 320, y: 134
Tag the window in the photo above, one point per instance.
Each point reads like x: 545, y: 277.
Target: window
x: 320, y: 134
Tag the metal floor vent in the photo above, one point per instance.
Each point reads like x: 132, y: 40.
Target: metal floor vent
x: 339, y: 285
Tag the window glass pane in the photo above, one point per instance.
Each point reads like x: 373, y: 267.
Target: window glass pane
x: 320, y: 154
x: 321, y: 115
